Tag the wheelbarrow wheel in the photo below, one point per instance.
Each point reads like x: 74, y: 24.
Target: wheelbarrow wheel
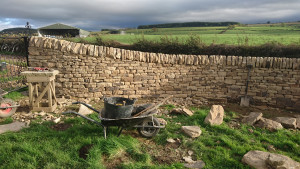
x: 9, y: 111
x: 145, y: 130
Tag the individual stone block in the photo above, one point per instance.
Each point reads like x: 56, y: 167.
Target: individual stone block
x: 287, y: 122
x: 215, y: 115
x: 90, y: 50
x: 252, y: 118
x: 192, y: 131
x: 269, y: 124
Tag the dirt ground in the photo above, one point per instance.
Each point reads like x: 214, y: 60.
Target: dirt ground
x: 268, y: 112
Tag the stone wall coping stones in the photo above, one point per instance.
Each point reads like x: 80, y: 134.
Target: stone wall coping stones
x: 116, y: 53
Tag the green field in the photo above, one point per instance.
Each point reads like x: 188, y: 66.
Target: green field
x: 240, y: 35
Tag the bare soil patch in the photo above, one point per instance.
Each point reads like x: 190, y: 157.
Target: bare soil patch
x: 112, y: 163
x: 84, y: 151
x: 163, y: 154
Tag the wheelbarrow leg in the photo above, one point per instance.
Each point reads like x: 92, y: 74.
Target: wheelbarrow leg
x: 120, y: 131
x: 104, y: 132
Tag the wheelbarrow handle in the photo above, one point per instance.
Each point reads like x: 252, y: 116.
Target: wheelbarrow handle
x: 87, y: 118
x: 88, y: 106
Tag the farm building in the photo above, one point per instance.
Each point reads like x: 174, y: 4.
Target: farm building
x: 62, y: 30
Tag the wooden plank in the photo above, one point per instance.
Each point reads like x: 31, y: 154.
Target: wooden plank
x: 53, y: 85
x: 53, y: 93
x: 40, y: 79
x: 151, y: 108
x: 41, y: 95
x: 45, y: 109
x: 36, y: 87
x: 49, y: 96
x: 30, y: 91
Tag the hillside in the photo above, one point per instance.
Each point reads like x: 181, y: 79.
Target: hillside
x: 17, y: 31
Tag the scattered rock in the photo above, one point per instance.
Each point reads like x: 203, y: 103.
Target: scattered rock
x: 287, y: 122
x: 252, y: 118
x: 162, y: 121
x: 27, y: 123
x: 215, y: 115
x: 268, y: 124
x: 271, y: 148
x: 250, y: 130
x: 170, y: 140
x: 265, y: 160
x: 196, y: 164
x: 298, y: 122
x: 56, y: 120
x: 282, y: 162
x: 174, y: 143
x: 190, y: 152
x: 176, y: 111
x: 187, y: 111
x: 182, y: 110
x: 84, y: 110
x: 42, y: 113
x: 234, y: 124
x: 192, y: 131
x: 61, y: 101
x: 15, y: 126
x: 188, y: 159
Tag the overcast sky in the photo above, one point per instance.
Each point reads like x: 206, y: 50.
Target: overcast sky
x: 97, y: 14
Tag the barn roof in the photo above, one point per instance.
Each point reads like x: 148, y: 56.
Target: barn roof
x: 58, y: 26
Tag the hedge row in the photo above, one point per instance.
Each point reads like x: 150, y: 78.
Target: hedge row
x: 194, y: 46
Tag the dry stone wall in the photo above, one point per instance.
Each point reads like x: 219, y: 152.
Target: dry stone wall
x: 89, y: 71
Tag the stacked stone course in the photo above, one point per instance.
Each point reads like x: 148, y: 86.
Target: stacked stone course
x: 90, y: 71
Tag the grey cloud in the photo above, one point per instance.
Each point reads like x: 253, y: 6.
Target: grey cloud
x: 96, y: 14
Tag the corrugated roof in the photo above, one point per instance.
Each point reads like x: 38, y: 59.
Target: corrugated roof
x: 59, y: 26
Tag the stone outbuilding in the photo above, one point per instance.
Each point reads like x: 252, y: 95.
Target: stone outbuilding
x: 61, y: 30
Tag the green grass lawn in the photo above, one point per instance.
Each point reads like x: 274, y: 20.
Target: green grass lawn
x: 218, y: 146
x: 240, y: 35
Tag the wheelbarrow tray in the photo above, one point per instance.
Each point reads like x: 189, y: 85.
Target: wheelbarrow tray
x: 123, y: 122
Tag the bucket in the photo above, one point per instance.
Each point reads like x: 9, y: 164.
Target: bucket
x: 118, y: 107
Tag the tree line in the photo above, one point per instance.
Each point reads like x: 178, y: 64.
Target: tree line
x: 187, y: 24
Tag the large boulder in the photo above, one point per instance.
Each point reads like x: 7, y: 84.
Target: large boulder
x: 268, y: 124
x: 252, y: 118
x: 215, y: 115
x: 287, y: 122
x: 192, y: 131
x: 265, y: 160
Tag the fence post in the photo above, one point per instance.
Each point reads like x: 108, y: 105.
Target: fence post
x: 26, y: 49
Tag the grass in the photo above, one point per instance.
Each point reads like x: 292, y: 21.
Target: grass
x: 219, y: 146
x: 16, y: 95
x: 250, y: 35
x: 6, y: 120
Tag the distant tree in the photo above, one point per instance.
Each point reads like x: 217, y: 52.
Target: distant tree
x: 231, y: 27
x: 268, y: 22
x: 154, y: 29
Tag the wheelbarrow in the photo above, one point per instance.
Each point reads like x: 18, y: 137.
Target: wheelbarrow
x: 140, y: 118
x: 7, y: 106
